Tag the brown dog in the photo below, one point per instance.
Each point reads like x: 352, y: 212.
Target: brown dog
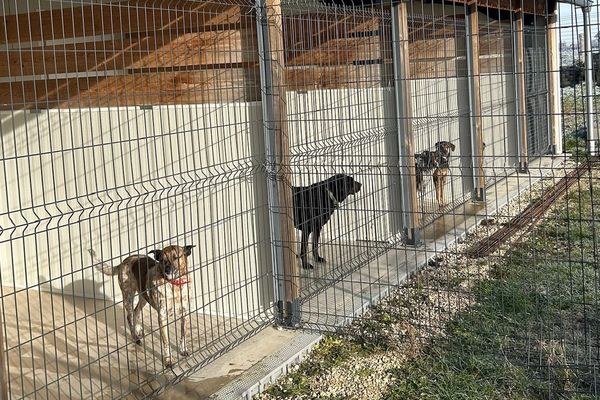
x: 439, y: 162
x: 161, y: 282
x: 440, y: 175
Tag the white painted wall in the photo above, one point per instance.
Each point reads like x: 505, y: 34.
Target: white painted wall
x: 125, y: 180
x: 439, y: 116
x: 499, y: 130
x: 345, y: 131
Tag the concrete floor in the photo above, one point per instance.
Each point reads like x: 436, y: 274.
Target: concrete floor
x: 226, y: 369
x: 61, y: 346
x: 336, y: 303
x: 68, y: 347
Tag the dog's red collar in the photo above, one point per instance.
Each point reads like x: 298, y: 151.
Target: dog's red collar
x: 178, y: 282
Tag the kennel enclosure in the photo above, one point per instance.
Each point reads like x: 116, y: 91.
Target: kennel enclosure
x: 131, y: 125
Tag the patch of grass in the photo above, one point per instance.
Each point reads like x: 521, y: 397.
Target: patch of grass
x: 329, y: 353
x: 365, y: 372
x: 575, y: 145
x: 573, y: 108
x: 528, y: 335
x: 445, y: 375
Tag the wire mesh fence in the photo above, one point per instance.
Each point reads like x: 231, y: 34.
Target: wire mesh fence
x: 238, y: 165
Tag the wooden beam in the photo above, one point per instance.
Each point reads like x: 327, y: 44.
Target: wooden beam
x: 248, y: 53
x: 278, y: 154
x: 197, y: 87
x: 116, y: 18
x: 150, y: 52
x: 336, y: 52
x: 406, y: 147
x: 521, y: 108
x: 433, y: 58
x: 439, y: 28
x: 554, y: 97
x: 475, y: 103
x: 337, y: 77
x: 305, y: 32
x: 532, y: 7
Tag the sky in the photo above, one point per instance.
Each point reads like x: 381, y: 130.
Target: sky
x: 571, y: 22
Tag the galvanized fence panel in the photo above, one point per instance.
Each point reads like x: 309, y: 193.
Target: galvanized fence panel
x: 131, y: 126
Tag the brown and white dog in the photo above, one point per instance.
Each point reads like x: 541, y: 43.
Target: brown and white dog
x: 161, y: 282
x: 439, y: 162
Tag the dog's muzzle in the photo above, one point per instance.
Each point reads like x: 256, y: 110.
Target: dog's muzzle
x: 356, y: 187
x: 170, y: 273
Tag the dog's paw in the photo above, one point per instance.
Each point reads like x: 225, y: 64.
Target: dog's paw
x: 137, y: 339
x: 139, y: 331
x: 167, y: 362
x: 320, y: 259
x: 184, y: 352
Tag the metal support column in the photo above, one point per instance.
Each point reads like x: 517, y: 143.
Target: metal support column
x: 554, y: 99
x: 592, y: 139
x: 274, y: 109
x: 520, y: 101
x: 476, y: 131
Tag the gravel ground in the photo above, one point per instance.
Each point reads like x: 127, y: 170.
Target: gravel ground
x: 398, y: 327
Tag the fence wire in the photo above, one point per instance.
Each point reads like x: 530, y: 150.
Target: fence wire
x: 321, y: 157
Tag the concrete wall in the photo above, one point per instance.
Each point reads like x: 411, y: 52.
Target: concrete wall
x: 499, y: 124
x: 348, y: 131
x: 440, y: 115
x: 125, y: 181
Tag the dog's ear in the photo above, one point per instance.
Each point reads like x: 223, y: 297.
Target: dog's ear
x: 157, y: 254
x: 452, y: 146
x: 187, y: 249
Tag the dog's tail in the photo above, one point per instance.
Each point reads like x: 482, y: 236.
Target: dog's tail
x: 102, y: 266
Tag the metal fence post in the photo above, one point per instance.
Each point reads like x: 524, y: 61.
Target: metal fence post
x: 554, y: 98
x: 3, y: 359
x: 519, y: 74
x: 274, y: 109
x: 476, y: 127
x: 592, y: 145
x: 403, y: 115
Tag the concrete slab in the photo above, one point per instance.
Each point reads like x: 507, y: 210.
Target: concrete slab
x: 61, y: 346
x: 225, y: 370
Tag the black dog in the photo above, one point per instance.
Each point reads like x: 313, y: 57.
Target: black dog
x: 439, y: 162
x: 313, y: 207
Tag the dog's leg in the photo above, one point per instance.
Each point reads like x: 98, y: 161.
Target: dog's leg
x: 315, y: 245
x: 303, y: 250
x: 183, y: 351
x: 164, y: 336
x: 138, y: 328
x: 128, y: 306
x: 443, y: 186
x: 439, y: 179
x: 437, y: 183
